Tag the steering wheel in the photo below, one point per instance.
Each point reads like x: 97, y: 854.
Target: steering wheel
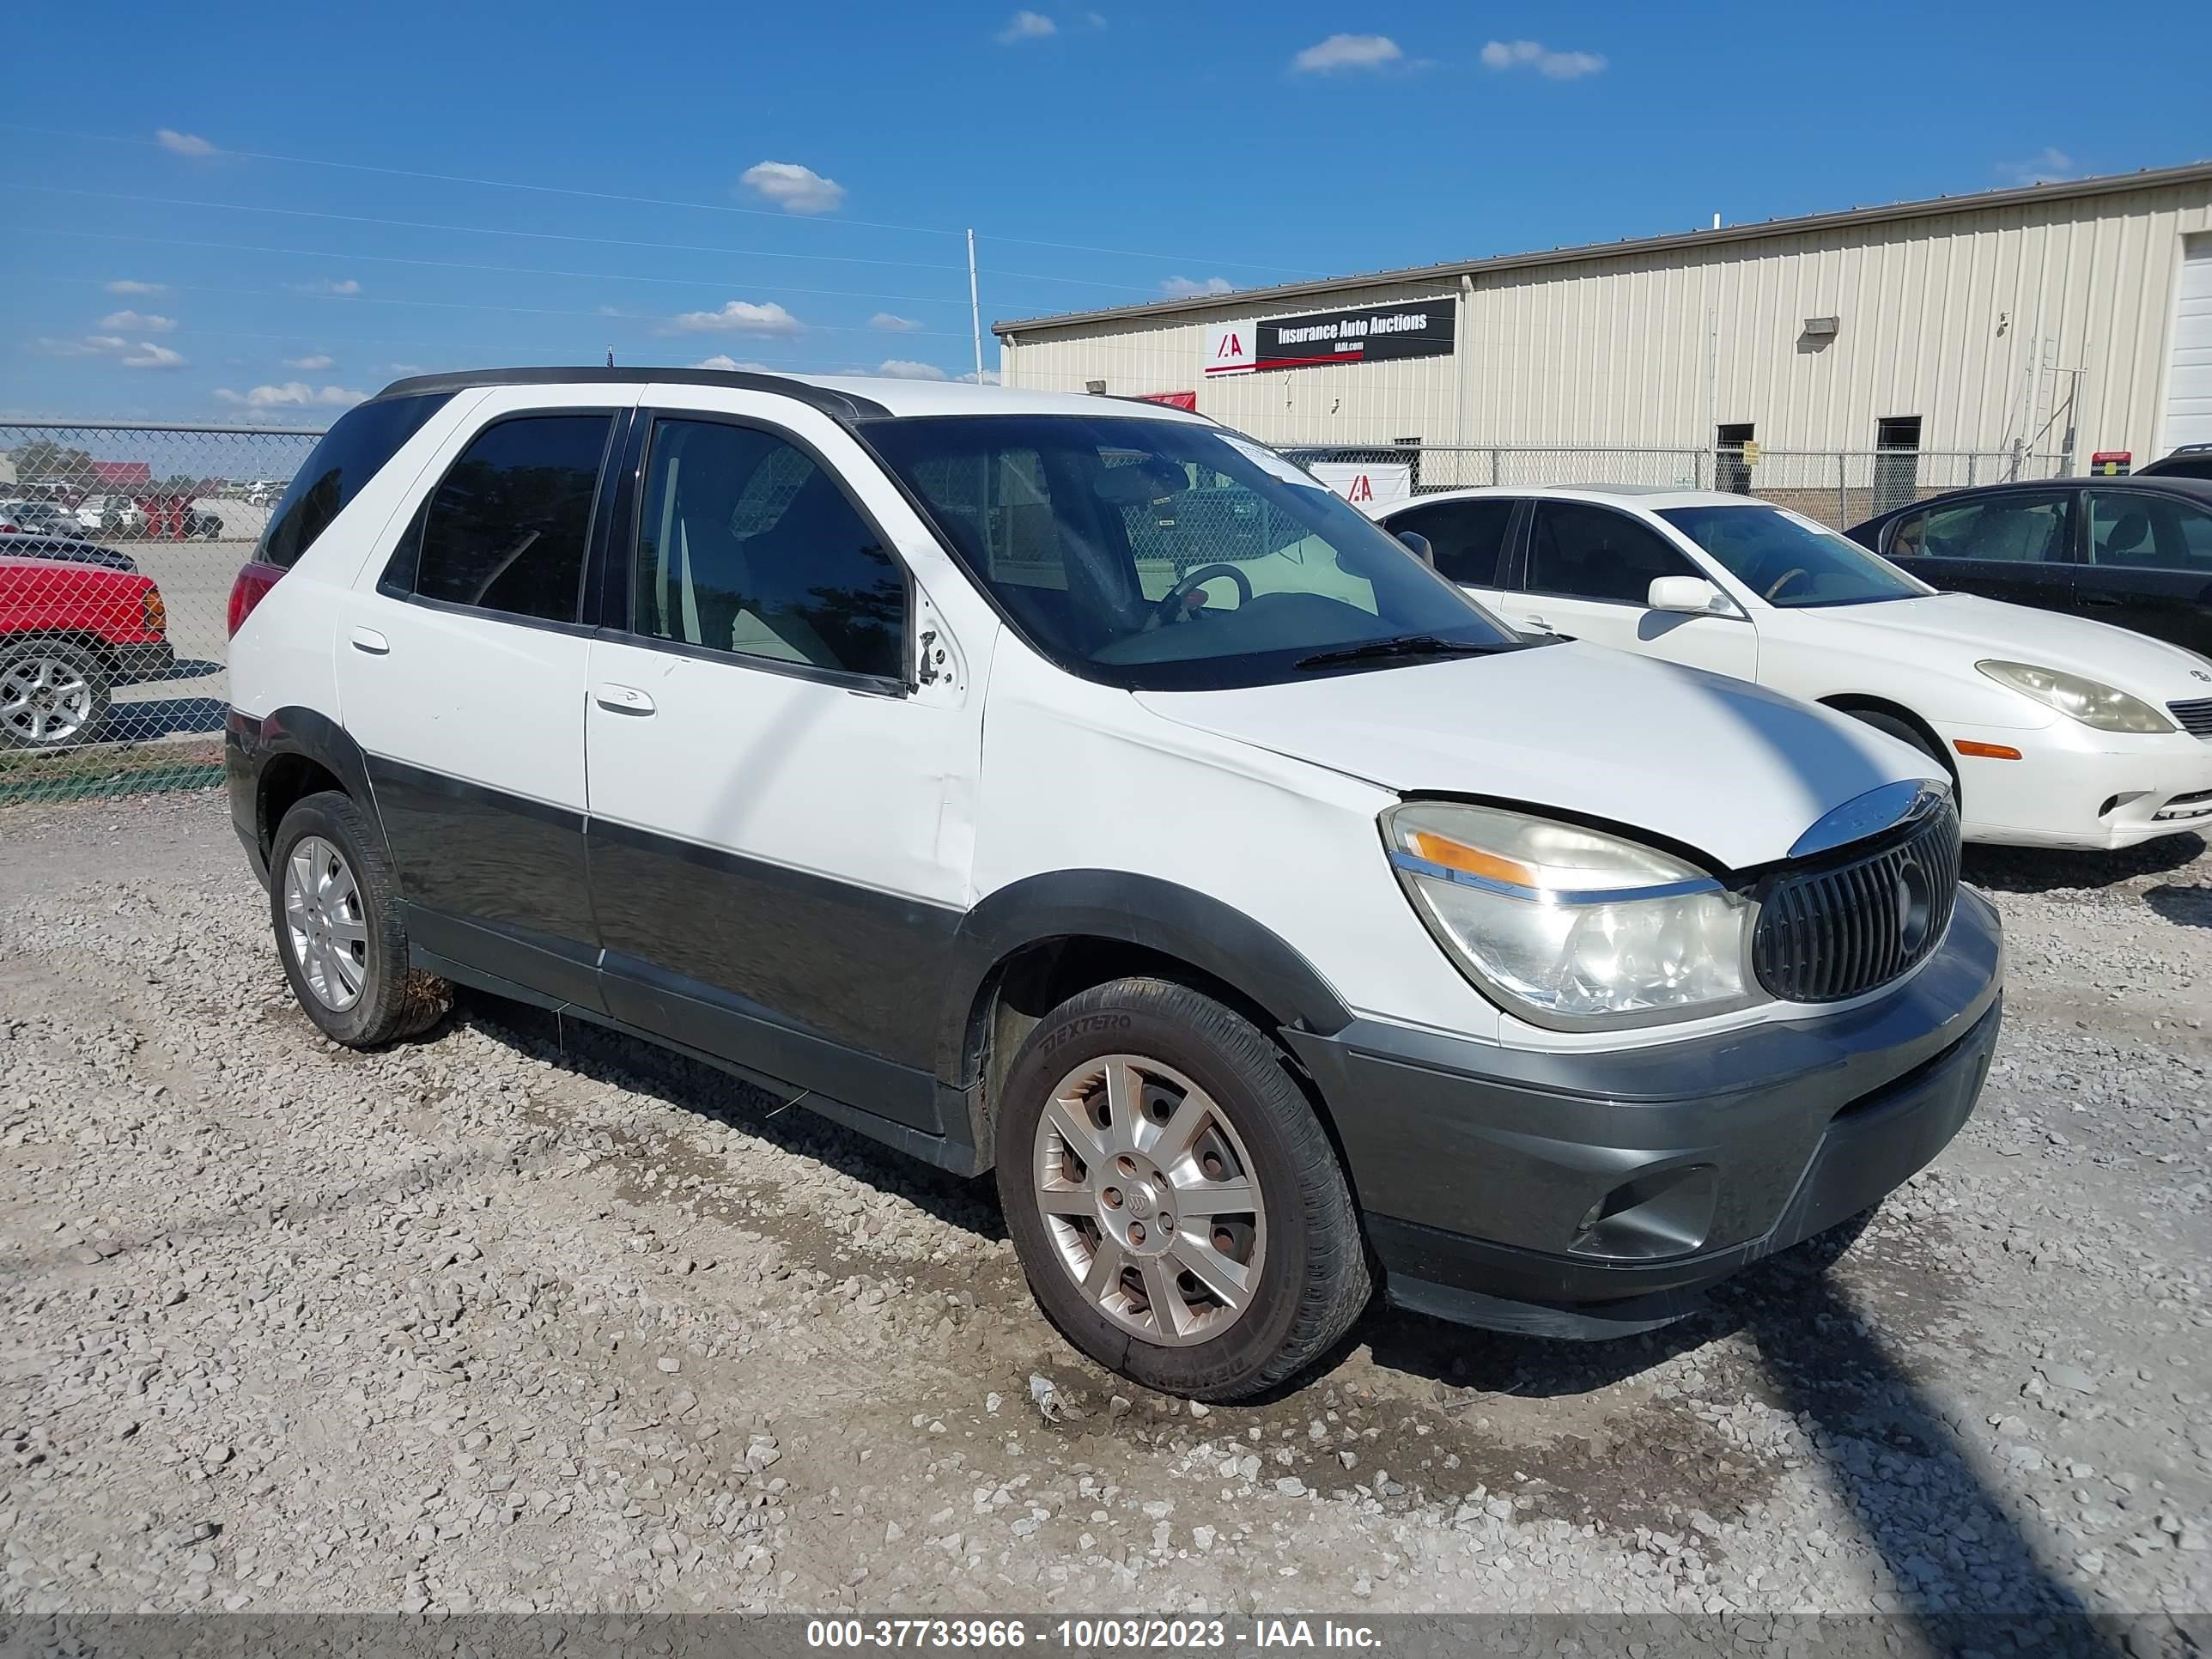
x: 1170, y: 607
x: 1783, y: 580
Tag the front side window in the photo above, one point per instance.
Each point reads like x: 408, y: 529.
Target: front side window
x: 1790, y: 560
x: 507, y: 527
x: 345, y: 458
x: 2027, y: 528
x: 1466, y: 537
x: 1169, y: 555
x: 747, y: 545
x: 2149, y: 532
x: 1584, y: 552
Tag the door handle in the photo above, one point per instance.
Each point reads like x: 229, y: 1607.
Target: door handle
x: 368, y: 641
x: 622, y: 699
x: 2099, y: 598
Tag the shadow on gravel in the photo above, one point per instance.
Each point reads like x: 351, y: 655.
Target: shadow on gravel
x: 594, y: 1052
x: 2190, y: 907
x: 2043, y: 870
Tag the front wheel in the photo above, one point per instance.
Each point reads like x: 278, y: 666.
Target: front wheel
x: 53, y: 695
x: 1176, y: 1203
x: 331, y: 895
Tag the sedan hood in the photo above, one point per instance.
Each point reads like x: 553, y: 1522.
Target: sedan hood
x: 1985, y: 629
x: 1721, y: 765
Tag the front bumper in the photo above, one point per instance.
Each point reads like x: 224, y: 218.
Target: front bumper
x: 2091, y: 790
x: 155, y: 660
x: 1590, y: 1194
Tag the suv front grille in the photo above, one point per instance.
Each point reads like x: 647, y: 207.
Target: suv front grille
x: 2195, y: 715
x: 1839, y: 930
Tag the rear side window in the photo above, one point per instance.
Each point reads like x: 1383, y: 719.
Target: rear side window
x: 1585, y: 552
x: 2020, y: 528
x: 505, y: 529
x: 350, y: 453
x: 1467, y: 538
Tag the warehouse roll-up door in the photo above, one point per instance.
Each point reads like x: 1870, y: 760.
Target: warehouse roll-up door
x: 2189, y: 372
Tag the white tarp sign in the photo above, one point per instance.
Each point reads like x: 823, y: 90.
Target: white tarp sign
x: 1373, y: 487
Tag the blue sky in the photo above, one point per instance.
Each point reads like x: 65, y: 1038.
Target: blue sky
x: 267, y: 211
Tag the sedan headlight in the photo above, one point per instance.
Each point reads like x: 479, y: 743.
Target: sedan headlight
x: 2104, y: 707
x: 1568, y: 926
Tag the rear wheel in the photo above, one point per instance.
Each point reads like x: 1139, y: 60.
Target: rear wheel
x: 1177, y: 1207
x: 53, y: 694
x: 331, y: 893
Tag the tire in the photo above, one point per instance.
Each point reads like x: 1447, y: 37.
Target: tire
x: 331, y: 893
x: 53, y: 695
x: 1288, y: 1271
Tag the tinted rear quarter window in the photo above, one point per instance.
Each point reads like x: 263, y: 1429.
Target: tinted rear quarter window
x: 1585, y: 552
x: 1467, y: 538
x: 350, y: 453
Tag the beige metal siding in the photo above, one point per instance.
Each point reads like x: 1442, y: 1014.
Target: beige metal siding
x: 1941, y: 317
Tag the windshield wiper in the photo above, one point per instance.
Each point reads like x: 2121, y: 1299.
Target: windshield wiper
x: 1405, y: 645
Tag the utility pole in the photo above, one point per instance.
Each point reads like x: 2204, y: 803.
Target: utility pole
x: 974, y: 308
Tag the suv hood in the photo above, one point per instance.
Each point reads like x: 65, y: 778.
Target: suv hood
x: 1720, y: 765
x: 1985, y: 629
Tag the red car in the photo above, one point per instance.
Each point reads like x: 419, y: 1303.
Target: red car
x: 69, y: 634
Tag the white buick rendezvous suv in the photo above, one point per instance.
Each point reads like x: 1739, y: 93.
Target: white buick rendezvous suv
x: 1074, y: 788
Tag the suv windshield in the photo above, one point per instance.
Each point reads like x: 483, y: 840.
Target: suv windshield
x: 1788, y: 561
x: 1172, y: 555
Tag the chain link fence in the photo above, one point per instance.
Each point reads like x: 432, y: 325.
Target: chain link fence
x: 117, y: 547
x: 116, y: 571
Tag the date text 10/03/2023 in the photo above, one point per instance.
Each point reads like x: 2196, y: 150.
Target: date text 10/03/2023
x: 1088, y: 1635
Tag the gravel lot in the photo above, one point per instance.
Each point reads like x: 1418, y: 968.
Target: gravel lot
x: 519, y: 1316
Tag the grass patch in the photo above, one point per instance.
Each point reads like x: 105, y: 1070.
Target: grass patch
x: 109, y: 769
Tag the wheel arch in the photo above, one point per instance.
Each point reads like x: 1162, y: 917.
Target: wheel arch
x: 1865, y: 702
x: 283, y: 758
x: 1032, y: 944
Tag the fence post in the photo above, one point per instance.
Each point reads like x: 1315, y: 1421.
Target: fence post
x: 1842, y: 490
x: 1493, y: 466
x: 1970, y: 468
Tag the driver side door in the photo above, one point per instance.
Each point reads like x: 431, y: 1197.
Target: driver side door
x: 1589, y: 572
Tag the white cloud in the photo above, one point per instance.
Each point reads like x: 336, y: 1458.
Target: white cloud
x: 183, y: 144
x: 149, y: 356
x: 327, y: 285
x: 141, y: 353
x: 138, y: 322
x: 723, y: 361
x: 293, y: 394
x: 1341, y: 51
x: 738, y: 317
x: 316, y: 361
x: 1026, y: 26
x: 893, y: 323
x: 905, y: 368
x: 1094, y: 19
x: 990, y: 377
x: 127, y: 286
x: 793, y: 188
x: 1553, y: 66
x: 1182, y: 288
x: 2049, y: 167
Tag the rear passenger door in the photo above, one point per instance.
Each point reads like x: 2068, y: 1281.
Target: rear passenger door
x: 2150, y: 566
x: 461, y: 672
x: 1469, y: 538
x: 1588, y: 574
x: 2017, y: 546
x: 781, y: 805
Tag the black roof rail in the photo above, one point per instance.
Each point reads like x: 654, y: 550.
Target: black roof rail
x: 844, y: 405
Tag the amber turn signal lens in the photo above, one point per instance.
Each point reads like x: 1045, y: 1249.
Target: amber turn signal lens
x: 157, y: 611
x: 1985, y: 750
x: 1473, y: 861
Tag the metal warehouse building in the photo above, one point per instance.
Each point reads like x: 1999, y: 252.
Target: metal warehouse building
x: 1916, y: 346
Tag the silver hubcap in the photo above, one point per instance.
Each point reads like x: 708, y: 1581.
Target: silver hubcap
x: 323, y: 921
x: 45, y: 699
x: 1150, y: 1200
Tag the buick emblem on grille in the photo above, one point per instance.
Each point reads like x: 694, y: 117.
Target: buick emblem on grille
x: 2200, y: 674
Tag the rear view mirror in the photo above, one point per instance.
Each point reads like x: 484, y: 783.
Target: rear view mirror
x: 1419, y: 545
x: 1693, y: 595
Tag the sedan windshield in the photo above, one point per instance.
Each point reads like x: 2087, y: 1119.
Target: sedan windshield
x: 1173, y: 555
x: 1790, y: 560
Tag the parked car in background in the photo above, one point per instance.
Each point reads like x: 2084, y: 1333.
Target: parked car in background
x: 1275, y: 924
x: 2058, y: 731
x: 111, y: 515
x: 69, y: 634
x: 36, y: 518
x: 2135, y: 552
x: 2190, y: 461
x: 201, y: 522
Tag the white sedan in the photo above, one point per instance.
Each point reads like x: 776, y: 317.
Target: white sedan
x: 2056, y: 731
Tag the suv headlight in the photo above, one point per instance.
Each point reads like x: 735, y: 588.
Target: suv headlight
x: 2104, y: 707
x: 1571, y: 927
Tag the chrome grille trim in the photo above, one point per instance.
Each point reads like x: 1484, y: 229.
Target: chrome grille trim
x: 1840, y: 929
x: 2195, y: 715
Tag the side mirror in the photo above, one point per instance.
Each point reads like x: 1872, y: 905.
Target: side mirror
x: 1419, y: 545
x: 1693, y: 595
